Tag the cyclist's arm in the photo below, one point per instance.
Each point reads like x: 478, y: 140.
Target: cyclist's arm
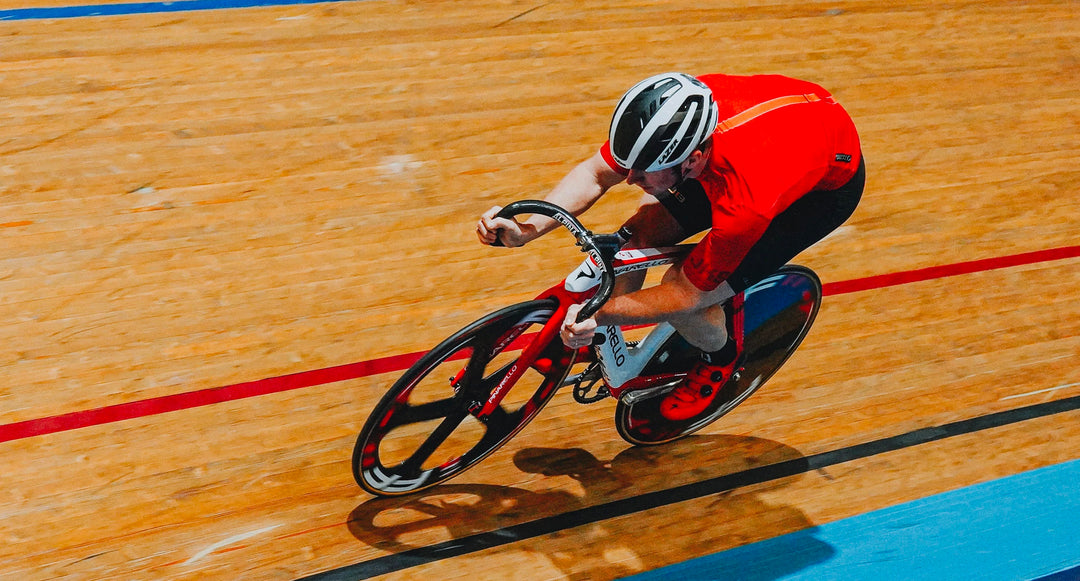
x: 675, y: 298
x: 577, y: 192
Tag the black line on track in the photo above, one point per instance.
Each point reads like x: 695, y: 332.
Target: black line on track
x: 728, y: 482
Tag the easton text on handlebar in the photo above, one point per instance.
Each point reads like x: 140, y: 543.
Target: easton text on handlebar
x: 601, y: 247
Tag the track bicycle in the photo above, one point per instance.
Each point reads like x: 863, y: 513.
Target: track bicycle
x: 477, y: 389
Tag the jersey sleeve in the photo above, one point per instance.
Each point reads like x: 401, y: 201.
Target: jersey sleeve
x: 717, y: 255
x: 605, y: 152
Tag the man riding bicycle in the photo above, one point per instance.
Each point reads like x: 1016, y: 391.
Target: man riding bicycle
x: 769, y: 165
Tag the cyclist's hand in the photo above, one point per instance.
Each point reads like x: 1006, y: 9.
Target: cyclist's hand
x: 575, y: 334
x: 510, y: 232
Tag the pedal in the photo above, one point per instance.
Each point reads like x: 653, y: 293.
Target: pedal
x: 585, y: 384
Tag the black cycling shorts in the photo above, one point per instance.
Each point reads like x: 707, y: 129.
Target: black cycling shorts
x: 805, y: 222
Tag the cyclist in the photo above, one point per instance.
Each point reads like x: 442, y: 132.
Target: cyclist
x: 767, y: 164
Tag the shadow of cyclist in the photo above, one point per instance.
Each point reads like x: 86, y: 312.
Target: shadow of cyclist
x: 602, y: 548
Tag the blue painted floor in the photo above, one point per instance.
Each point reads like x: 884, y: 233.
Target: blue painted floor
x: 165, y: 6
x: 1022, y: 527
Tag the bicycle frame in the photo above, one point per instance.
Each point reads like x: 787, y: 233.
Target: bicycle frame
x: 620, y: 364
x: 638, y: 375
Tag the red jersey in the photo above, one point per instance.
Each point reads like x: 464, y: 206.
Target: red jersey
x: 778, y: 139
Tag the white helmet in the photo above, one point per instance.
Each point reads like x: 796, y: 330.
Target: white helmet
x: 660, y: 121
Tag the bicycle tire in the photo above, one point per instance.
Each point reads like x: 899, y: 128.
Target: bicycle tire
x: 771, y: 339
x: 481, y: 355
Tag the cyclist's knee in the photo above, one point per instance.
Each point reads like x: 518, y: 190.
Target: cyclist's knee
x: 629, y: 282
x: 653, y: 226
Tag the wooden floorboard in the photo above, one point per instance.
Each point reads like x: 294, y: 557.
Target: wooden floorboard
x: 193, y: 200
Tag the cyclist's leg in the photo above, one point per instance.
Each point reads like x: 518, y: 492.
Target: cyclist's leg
x: 805, y: 222
x: 717, y: 332
x: 689, y: 207
x: 705, y: 329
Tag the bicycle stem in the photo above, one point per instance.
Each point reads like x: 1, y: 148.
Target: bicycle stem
x: 601, y: 247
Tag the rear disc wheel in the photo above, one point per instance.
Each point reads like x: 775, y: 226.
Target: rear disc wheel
x: 778, y: 314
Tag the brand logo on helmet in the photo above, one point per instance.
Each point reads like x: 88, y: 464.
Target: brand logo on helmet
x: 664, y: 155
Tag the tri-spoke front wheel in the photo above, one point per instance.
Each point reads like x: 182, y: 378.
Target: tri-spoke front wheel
x: 425, y: 430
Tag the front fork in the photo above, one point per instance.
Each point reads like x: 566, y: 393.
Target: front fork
x: 535, y: 355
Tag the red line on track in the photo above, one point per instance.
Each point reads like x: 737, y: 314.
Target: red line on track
x: 933, y: 272
x: 193, y: 399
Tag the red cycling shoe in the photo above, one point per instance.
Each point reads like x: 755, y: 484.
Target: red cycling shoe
x: 706, y: 378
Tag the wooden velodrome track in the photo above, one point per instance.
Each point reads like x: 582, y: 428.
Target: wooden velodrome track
x: 225, y: 230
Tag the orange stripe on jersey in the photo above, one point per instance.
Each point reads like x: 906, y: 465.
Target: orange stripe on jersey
x: 763, y: 108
